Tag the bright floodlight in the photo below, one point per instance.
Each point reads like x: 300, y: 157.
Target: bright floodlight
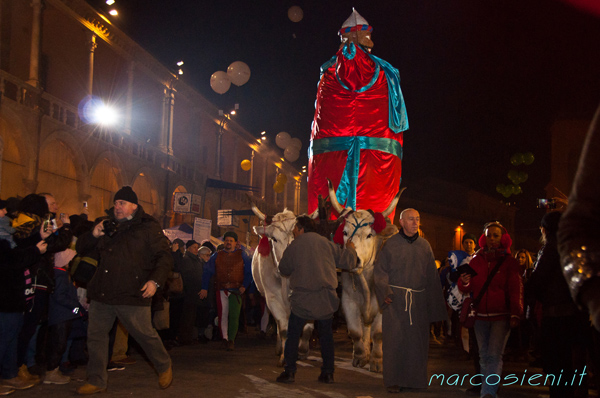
x: 263, y: 133
x: 180, y: 63
x: 113, y: 12
x: 105, y: 115
x: 263, y: 138
x: 110, y: 2
x: 180, y: 71
x: 232, y: 112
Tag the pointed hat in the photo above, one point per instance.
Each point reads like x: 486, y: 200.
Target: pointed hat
x: 355, y: 22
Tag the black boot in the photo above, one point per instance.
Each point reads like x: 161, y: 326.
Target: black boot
x: 326, y: 378
x: 286, y: 377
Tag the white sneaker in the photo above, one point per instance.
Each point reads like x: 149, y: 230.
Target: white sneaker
x: 55, y: 377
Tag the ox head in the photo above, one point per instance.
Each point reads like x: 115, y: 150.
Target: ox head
x: 366, y: 229
x: 277, y: 229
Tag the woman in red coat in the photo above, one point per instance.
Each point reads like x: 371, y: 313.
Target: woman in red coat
x: 501, y: 306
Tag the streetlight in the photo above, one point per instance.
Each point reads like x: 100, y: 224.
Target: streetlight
x: 93, y: 110
x: 113, y: 12
x: 110, y: 2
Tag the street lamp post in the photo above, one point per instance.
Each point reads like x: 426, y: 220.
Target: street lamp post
x: 224, y: 118
x: 252, y: 168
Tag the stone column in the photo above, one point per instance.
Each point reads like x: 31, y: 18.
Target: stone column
x: 285, y: 193
x: 236, y: 162
x: 129, y: 104
x: 30, y: 185
x: 34, y: 57
x: 264, y: 179
x: 275, y: 193
x: 297, y: 197
x: 92, y: 49
x: 252, y: 168
x: 166, y: 133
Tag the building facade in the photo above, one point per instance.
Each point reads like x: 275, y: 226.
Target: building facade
x: 56, y: 55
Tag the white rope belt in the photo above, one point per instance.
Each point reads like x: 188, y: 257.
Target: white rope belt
x: 407, y: 296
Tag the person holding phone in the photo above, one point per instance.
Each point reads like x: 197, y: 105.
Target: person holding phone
x: 31, y: 212
x: 134, y: 261
x: 15, y: 262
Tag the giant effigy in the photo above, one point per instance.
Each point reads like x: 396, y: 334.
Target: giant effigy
x: 357, y: 130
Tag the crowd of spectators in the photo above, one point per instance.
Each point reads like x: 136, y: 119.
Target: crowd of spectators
x: 45, y: 308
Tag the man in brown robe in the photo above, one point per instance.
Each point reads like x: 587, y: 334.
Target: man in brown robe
x: 410, y: 296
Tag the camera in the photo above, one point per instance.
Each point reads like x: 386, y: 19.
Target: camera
x: 110, y: 227
x: 546, y: 204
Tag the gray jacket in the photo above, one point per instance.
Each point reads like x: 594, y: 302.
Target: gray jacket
x: 310, y: 262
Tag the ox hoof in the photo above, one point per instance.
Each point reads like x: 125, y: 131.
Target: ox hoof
x: 376, y: 366
x: 360, y: 362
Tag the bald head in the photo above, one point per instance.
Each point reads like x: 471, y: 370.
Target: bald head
x: 52, y: 205
x: 410, y: 220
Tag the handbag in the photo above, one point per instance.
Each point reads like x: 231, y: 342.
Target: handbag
x: 468, y: 312
x: 83, y: 268
x: 175, y: 283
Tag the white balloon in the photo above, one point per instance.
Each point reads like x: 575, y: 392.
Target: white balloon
x: 219, y: 82
x: 296, y: 143
x: 291, y: 153
x: 239, y: 73
x: 283, y: 140
x: 295, y: 14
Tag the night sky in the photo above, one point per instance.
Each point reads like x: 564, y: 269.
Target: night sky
x: 481, y: 79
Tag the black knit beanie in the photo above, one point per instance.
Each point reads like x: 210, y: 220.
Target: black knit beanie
x: 230, y: 234
x: 469, y: 236
x: 127, y: 194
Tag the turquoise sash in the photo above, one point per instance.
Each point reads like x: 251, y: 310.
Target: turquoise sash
x: 346, y: 192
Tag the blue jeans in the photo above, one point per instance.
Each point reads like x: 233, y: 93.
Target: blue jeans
x: 10, y: 327
x: 295, y: 326
x: 59, y: 336
x: 491, y: 339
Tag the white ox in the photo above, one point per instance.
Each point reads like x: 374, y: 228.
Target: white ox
x: 359, y: 302
x: 270, y: 283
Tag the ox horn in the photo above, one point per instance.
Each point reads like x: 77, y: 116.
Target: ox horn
x: 333, y: 199
x: 258, y: 213
x: 392, y: 205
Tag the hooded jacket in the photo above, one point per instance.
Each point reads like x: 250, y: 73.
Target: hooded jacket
x: 137, y: 252
x: 504, y: 296
x: 27, y: 226
x: 14, y: 264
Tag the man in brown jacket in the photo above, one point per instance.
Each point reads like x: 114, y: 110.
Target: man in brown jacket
x: 232, y: 269
x: 310, y: 262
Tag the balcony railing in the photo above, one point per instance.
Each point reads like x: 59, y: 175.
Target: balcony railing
x: 20, y: 92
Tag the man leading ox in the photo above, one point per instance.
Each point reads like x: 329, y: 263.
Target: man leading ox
x: 310, y: 262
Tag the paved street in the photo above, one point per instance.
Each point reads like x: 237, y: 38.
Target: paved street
x: 207, y: 370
